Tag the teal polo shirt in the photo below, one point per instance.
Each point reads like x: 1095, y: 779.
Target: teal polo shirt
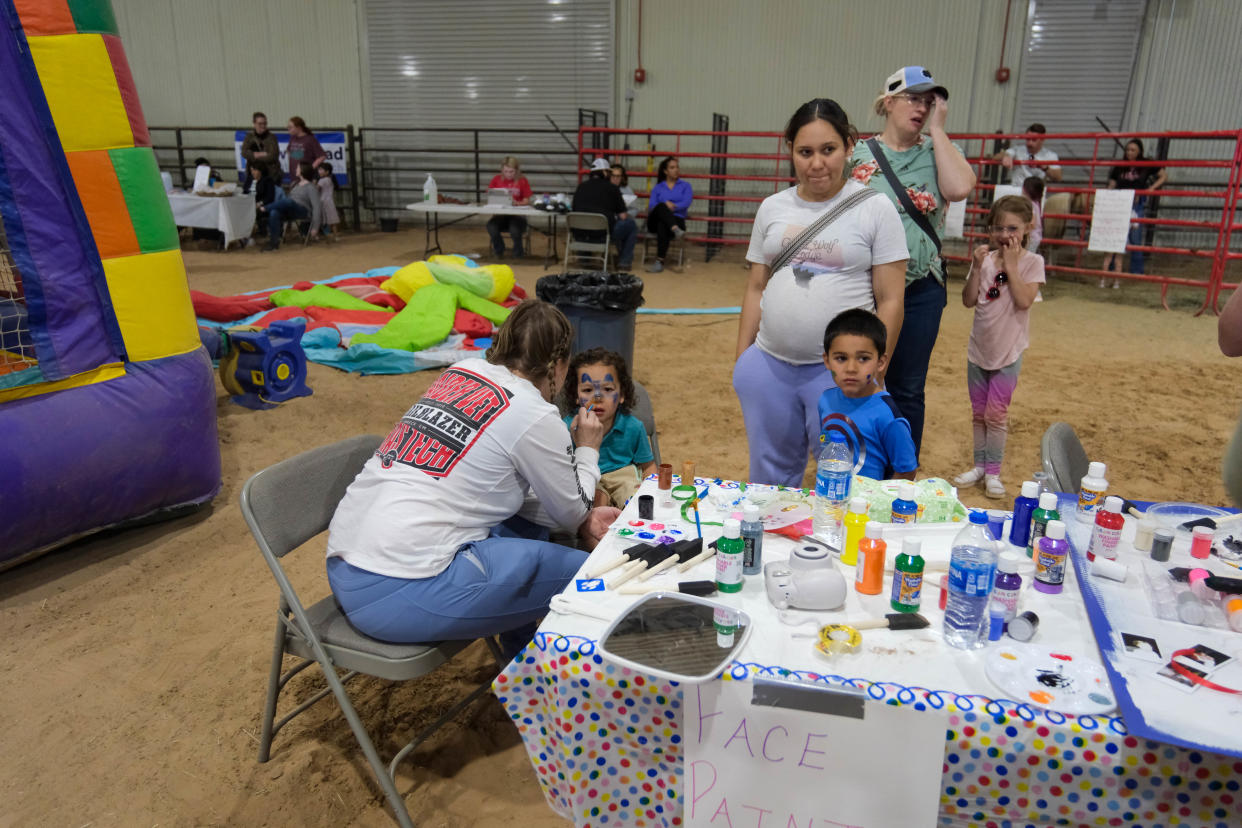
x: 624, y: 445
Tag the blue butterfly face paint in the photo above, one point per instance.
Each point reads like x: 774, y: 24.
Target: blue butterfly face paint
x: 599, y: 391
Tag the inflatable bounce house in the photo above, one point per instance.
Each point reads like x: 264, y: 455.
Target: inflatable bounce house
x: 107, y: 399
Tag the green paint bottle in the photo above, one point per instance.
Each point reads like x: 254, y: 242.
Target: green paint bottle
x: 729, y: 557
x: 1046, y: 511
x: 908, y: 576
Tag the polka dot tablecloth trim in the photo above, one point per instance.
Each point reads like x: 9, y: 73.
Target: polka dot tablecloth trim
x: 606, y: 746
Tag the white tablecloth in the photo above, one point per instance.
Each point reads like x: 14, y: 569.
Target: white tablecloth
x: 231, y: 215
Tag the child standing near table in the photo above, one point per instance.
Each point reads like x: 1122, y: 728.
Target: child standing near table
x: 856, y: 352
x: 1002, y: 284
x: 599, y: 379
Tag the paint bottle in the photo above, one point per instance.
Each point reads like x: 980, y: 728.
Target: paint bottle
x: 729, y: 557
x: 1023, y: 505
x: 1201, y: 542
x: 1233, y: 608
x: 664, y: 485
x: 1050, y: 559
x: 1143, y: 534
x: 996, y: 620
x: 752, y: 540
x: 1106, y: 533
x: 1161, y: 545
x: 905, y: 510
x: 1008, y: 584
x: 725, y: 622
x: 855, y: 525
x: 1091, y: 492
x: 908, y: 577
x: 1046, y: 511
x: 869, y: 573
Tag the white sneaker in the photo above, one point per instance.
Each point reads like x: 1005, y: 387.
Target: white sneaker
x: 993, y: 487
x: 1116, y: 284
x: 1103, y: 282
x: 678, y: 232
x: 969, y: 478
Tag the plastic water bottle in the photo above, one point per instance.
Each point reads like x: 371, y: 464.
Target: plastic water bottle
x: 972, y: 571
x: 429, y: 190
x: 832, y: 487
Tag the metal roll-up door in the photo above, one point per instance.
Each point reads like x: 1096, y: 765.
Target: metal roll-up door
x: 1077, y: 65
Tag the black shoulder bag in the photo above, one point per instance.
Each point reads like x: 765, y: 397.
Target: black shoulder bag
x: 899, y: 189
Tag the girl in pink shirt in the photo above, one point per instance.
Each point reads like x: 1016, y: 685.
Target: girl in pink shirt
x: 1002, y: 284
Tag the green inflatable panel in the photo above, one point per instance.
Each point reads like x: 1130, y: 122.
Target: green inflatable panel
x: 139, y: 176
x: 428, y: 318
x: 478, y: 283
x: 321, y: 296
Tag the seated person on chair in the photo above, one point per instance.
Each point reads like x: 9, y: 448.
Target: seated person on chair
x: 302, y: 202
x: 597, y: 194
x: 518, y: 185
x: 666, y: 209
x: 443, y: 535
x: 264, y: 188
x: 599, y: 380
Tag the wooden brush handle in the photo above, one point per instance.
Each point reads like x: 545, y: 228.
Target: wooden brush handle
x: 658, y: 568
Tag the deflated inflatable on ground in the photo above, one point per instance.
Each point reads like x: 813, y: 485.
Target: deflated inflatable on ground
x: 107, y: 399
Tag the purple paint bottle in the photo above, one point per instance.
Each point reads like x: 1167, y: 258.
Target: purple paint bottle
x: 1023, y: 505
x: 1050, y: 557
x: 1008, y: 585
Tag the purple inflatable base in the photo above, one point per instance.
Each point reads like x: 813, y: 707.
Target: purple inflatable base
x: 86, y: 458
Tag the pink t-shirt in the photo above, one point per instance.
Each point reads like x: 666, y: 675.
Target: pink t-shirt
x: 519, y: 187
x: 1001, y: 330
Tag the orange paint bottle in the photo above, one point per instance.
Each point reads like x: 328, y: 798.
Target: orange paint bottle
x: 869, y: 572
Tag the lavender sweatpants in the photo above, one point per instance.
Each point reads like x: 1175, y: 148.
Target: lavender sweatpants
x: 990, y: 395
x: 780, y: 406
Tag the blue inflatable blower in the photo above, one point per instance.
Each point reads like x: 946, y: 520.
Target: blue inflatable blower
x: 265, y: 367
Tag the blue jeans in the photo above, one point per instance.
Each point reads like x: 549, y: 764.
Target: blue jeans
x: 907, y: 369
x: 1136, y: 235
x: 496, y: 227
x: 499, y: 585
x: 780, y: 408
x: 624, y: 234
x: 280, y: 211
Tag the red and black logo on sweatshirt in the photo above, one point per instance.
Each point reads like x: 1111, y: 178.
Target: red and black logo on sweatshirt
x: 441, y: 427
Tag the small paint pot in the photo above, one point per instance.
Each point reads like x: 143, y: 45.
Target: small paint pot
x: 646, y: 507
x: 1143, y: 534
x: 1161, y: 545
x: 1201, y: 542
x: 996, y: 523
x: 1190, y: 609
x: 1108, y: 568
x: 1023, y: 626
x: 996, y: 621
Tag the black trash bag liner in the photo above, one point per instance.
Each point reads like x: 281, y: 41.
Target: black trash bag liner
x: 594, y: 289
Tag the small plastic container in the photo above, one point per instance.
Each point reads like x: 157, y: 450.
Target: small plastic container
x: 1143, y: 533
x: 1201, y: 542
x: 1161, y: 545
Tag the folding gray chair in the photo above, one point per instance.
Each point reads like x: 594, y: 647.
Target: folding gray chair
x: 1064, y: 458
x: 677, y: 246
x: 641, y: 409
x: 598, y: 240
x: 286, y: 505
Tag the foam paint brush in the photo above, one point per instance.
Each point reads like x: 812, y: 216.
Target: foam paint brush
x: 630, y: 554
x: 1209, y: 522
x: 682, y: 551
x: 699, y: 558
x: 700, y: 588
x: 653, y: 556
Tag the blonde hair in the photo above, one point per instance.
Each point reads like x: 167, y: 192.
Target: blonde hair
x: 878, y: 107
x: 511, y: 161
x: 534, y: 338
x: 1014, y: 205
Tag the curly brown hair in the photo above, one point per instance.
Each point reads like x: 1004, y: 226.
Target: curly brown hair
x: 602, y: 356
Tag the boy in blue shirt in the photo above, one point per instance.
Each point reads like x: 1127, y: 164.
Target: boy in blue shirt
x: 599, y: 379
x: 855, y: 344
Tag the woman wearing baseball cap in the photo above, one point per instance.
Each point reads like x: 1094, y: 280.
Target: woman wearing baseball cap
x: 928, y: 171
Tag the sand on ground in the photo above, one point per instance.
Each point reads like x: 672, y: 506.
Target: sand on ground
x: 135, y: 662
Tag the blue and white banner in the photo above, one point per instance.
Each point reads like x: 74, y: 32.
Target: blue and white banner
x: 333, y: 144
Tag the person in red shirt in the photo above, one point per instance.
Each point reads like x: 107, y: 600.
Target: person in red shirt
x: 510, y: 179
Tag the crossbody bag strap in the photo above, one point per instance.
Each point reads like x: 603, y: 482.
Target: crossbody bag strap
x: 915, y: 214
x: 817, y: 226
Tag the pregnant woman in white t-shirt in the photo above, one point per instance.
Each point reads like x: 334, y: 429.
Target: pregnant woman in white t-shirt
x: 857, y: 261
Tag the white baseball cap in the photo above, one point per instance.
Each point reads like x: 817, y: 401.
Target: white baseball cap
x: 600, y: 164
x: 913, y: 79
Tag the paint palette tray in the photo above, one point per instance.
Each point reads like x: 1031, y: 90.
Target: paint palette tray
x: 1052, y: 679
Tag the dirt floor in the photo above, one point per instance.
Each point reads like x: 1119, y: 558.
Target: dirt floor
x: 135, y: 663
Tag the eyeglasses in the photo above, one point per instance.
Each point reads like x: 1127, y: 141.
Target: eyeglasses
x: 1009, y: 229
x: 994, y: 290
x: 917, y: 100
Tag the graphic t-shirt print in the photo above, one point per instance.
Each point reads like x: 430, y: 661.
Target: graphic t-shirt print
x: 819, y: 255
x: 441, y: 427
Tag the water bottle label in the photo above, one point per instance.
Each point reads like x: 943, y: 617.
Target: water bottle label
x: 907, y: 588
x: 973, y: 582
x: 833, y: 485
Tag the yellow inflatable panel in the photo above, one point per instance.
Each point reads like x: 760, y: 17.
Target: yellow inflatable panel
x: 81, y: 92
x: 110, y: 371
x: 152, y: 304
x: 409, y: 279
x: 503, y: 281
x: 449, y: 259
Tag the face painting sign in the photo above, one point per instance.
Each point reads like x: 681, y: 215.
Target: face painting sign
x: 440, y: 428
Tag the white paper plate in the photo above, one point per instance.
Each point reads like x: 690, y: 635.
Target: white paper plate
x: 1054, y: 679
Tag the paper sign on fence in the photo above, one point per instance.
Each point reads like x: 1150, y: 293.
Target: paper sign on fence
x: 863, y: 764
x: 1003, y: 190
x: 1110, y: 220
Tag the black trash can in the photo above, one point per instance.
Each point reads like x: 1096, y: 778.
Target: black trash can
x: 599, y: 305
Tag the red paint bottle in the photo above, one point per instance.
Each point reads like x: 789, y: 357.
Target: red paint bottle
x: 1106, y: 533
